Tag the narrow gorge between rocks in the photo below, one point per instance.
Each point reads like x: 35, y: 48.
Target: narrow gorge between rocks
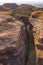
x: 30, y: 45
x: 20, y: 41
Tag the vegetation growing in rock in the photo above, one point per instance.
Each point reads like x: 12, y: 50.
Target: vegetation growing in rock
x: 23, y: 10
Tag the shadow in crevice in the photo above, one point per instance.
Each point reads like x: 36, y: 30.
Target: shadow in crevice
x: 31, y: 47
x: 29, y: 42
x: 40, y: 61
x: 40, y: 40
x: 39, y: 47
x: 11, y: 58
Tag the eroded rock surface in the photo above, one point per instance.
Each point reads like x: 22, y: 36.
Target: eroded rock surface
x: 38, y: 38
x: 21, y: 42
x: 12, y: 43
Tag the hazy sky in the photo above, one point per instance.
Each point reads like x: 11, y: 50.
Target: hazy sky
x: 22, y: 1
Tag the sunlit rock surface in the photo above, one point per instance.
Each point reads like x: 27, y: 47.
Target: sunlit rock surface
x: 12, y: 43
x: 38, y: 38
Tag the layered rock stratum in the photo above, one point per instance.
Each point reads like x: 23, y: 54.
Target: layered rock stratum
x: 21, y: 40
x: 12, y: 42
x: 38, y: 38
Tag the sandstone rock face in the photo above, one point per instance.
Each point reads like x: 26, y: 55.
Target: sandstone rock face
x: 12, y: 43
x: 38, y: 38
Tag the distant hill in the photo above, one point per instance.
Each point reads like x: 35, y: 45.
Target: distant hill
x: 11, y: 6
x: 3, y: 9
x: 14, y: 6
x: 25, y: 9
x: 30, y: 7
x: 27, y: 6
x: 8, y: 6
